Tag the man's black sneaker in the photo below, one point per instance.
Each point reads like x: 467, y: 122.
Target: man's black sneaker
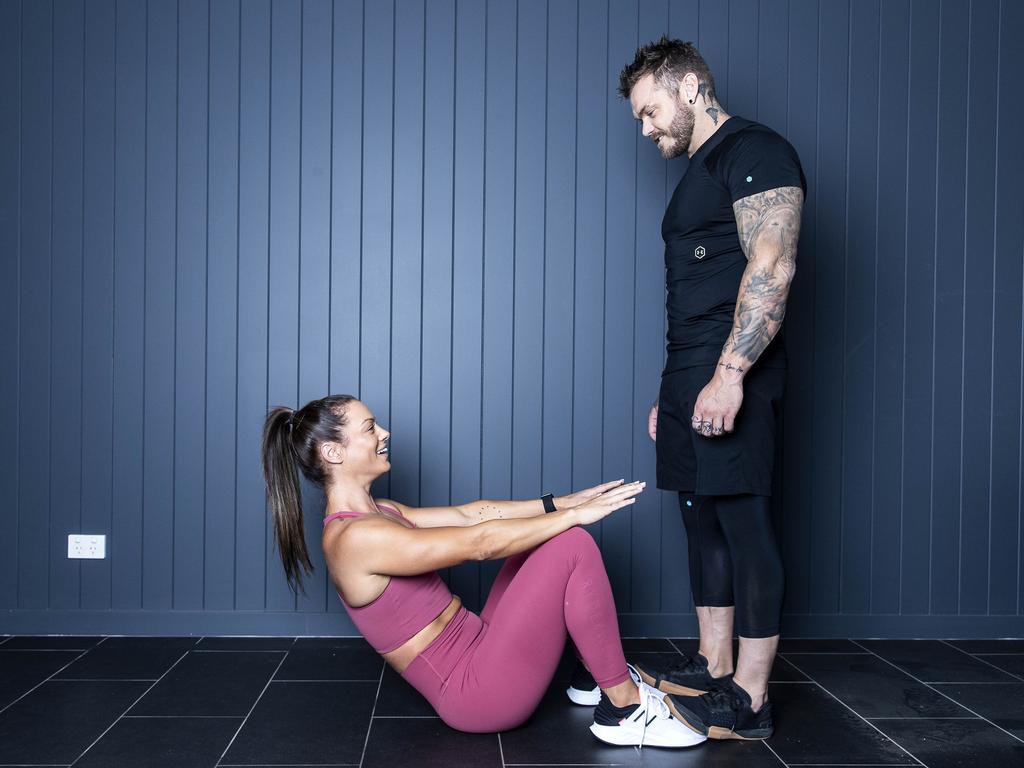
x: 689, y: 678
x: 724, y: 713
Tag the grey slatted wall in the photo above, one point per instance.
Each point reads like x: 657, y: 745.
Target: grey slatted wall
x: 207, y: 208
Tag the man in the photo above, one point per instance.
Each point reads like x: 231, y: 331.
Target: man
x: 730, y: 234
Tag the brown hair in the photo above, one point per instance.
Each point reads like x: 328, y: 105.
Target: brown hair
x: 294, y: 437
x: 669, y: 61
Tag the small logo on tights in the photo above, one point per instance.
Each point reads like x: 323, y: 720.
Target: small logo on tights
x: 699, y: 252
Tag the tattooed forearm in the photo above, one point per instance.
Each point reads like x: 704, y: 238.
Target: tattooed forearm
x: 768, y: 224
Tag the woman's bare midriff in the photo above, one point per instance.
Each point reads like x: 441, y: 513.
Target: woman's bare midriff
x: 402, y: 657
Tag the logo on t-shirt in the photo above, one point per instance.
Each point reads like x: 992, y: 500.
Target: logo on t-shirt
x: 699, y: 251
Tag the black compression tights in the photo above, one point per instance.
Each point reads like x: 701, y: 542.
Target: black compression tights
x: 734, y: 559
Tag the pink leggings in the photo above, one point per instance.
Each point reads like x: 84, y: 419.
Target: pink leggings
x: 488, y: 672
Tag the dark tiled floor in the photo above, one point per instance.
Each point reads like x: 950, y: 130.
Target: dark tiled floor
x: 221, y: 701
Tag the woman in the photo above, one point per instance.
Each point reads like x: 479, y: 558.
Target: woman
x: 480, y: 673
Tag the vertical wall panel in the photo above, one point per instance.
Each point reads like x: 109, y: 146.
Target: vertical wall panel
x: 620, y: 232
x: 34, y: 325
x: 253, y: 542
x: 222, y: 248
x: 130, y: 200
x: 918, y: 419
x: 377, y: 219
x: 891, y: 267
x: 649, y: 339
x: 314, y: 258
x: 98, y: 292
x: 160, y: 305
x: 947, y: 498
x: 528, y: 299
x: 407, y: 251
x: 285, y: 258
x: 191, y: 333
x: 1007, y: 289
x: 979, y: 270
x: 10, y: 285
x: 498, y: 253
x: 445, y: 208
x: 467, y: 273
x: 66, y: 308
x: 829, y: 304
x: 438, y: 202
x: 801, y: 514
x: 858, y: 329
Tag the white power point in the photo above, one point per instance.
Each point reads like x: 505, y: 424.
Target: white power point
x: 81, y: 546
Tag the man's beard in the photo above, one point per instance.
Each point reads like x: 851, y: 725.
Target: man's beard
x: 680, y: 131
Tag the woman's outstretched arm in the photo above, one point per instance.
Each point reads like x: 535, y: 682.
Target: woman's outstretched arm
x: 383, y: 547
x: 485, y: 510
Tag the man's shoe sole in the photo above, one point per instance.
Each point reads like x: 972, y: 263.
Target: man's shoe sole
x: 666, y: 687
x: 716, y: 732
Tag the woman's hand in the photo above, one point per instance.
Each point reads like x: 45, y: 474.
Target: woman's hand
x: 604, y: 504
x: 579, y: 497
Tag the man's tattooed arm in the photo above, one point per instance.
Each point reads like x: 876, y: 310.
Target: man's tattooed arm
x: 769, y: 227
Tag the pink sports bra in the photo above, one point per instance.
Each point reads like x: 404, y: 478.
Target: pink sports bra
x: 407, y: 604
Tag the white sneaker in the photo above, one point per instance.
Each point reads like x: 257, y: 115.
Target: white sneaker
x: 580, y: 690
x: 650, y: 724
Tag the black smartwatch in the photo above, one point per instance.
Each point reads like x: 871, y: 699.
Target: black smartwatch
x: 549, y: 502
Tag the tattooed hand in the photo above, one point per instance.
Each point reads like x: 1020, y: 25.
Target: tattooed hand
x: 714, y: 413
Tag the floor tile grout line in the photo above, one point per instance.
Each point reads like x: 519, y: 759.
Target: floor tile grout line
x: 777, y: 756
x: 501, y: 752
x: 325, y: 680
x: 922, y: 718
x: 869, y: 723
x: 373, y: 712
x: 933, y: 688
x: 987, y: 663
x: 251, y: 709
x: 42, y: 682
x: 180, y: 717
x: 129, y: 708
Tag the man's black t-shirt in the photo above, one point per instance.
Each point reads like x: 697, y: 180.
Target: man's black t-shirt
x: 703, y: 260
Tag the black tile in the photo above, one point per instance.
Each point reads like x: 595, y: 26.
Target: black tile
x: 399, y: 699
x: 306, y: 723
x: 645, y: 644
x: 344, y: 663
x: 171, y: 742
x: 873, y: 688
x: 20, y: 671
x: 955, y: 743
x: 932, y: 661
x: 122, y: 663
x: 1002, y: 703
x: 797, y: 645
x: 51, y: 642
x: 59, y: 720
x: 989, y: 646
x: 150, y: 643
x: 245, y: 644
x: 312, y: 643
x: 434, y: 744
x: 784, y: 672
x: 812, y: 727
x: 225, y: 683
x: 558, y: 733
x: 1010, y: 662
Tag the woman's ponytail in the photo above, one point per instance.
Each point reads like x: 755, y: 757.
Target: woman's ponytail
x: 285, y: 495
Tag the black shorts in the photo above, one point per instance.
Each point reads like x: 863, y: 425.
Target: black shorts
x: 740, y: 462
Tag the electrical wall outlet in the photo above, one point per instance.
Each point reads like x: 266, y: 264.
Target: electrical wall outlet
x: 82, y: 546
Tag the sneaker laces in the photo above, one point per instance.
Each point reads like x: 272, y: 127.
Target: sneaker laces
x: 722, y: 699
x: 651, y: 703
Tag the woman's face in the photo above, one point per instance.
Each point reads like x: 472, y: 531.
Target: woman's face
x: 366, y: 449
